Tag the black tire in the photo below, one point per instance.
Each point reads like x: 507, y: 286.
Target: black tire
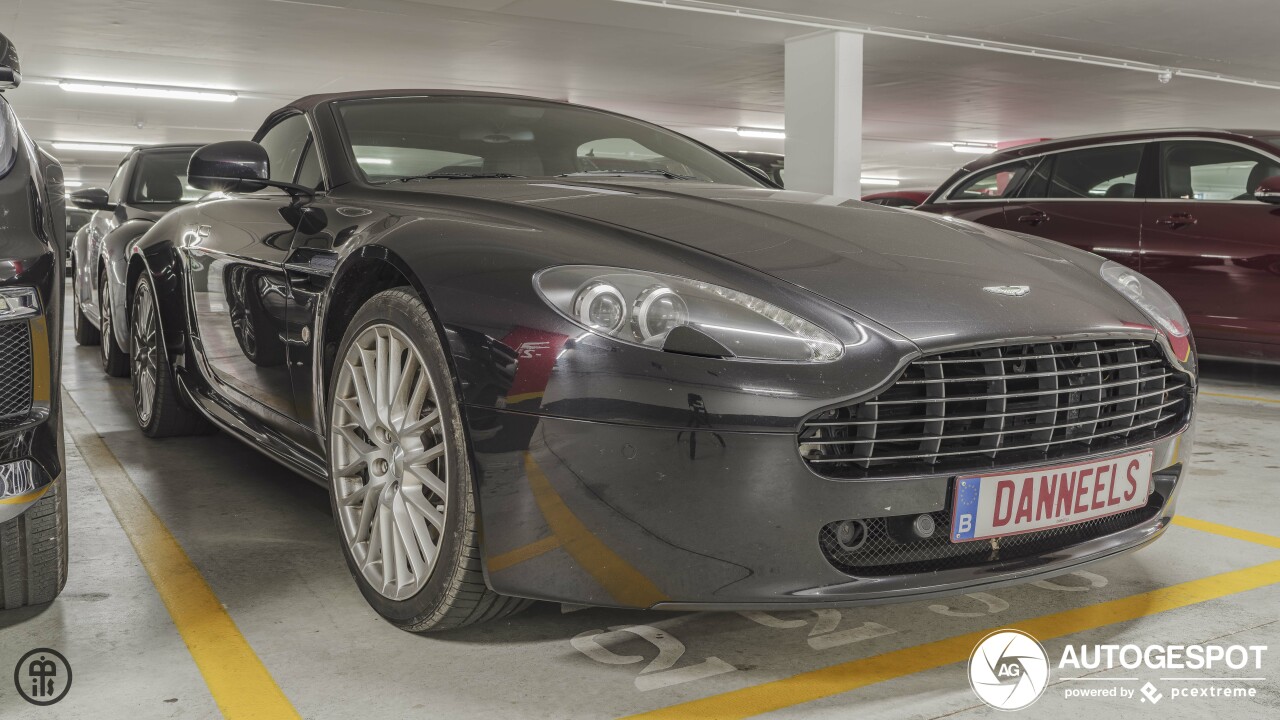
x: 33, y: 551
x: 86, y: 333
x: 455, y: 593
x: 163, y: 413
x: 115, y: 362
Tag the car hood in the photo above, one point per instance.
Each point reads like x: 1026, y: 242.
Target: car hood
x: 934, y: 280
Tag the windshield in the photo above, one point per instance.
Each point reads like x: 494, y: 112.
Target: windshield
x: 397, y: 138
x: 161, y: 178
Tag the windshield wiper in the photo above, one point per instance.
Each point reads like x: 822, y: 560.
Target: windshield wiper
x: 622, y: 173
x: 455, y: 176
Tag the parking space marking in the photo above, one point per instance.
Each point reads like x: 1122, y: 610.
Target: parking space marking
x: 1252, y: 398
x: 520, y: 554
x: 237, y: 679
x: 1227, y: 531
x: 843, y: 677
x: 618, y: 577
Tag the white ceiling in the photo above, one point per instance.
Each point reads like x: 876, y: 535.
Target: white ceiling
x: 694, y: 72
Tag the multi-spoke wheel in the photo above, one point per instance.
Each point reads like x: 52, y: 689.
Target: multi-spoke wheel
x: 159, y: 411
x: 115, y: 362
x: 85, y: 332
x: 389, y: 461
x: 400, y: 475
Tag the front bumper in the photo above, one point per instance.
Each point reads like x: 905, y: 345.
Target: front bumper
x: 621, y: 515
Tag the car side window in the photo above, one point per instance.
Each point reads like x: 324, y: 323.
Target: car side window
x: 309, y: 171
x: 115, y: 191
x: 285, y: 143
x: 1206, y: 170
x: 1100, y: 172
x: 997, y: 182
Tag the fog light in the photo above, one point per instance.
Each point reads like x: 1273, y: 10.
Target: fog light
x: 851, y: 534
x: 924, y: 526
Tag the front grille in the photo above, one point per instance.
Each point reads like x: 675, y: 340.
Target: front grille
x: 15, y: 369
x: 996, y: 407
x: 890, y: 548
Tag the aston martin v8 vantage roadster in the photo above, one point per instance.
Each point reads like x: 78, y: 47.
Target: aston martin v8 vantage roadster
x: 540, y: 351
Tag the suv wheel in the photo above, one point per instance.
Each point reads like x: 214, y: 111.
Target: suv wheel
x: 114, y: 360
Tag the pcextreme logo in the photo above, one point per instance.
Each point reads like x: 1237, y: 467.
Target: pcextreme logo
x: 1009, y: 670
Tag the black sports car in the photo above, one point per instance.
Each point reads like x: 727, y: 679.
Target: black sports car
x: 149, y: 182
x: 33, y: 492
x: 536, y: 350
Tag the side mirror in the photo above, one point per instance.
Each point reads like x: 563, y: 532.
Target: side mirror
x: 1269, y: 190
x: 91, y: 199
x: 10, y: 70
x: 234, y: 165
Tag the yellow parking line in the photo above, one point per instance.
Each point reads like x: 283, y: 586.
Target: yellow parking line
x: 1253, y: 398
x: 237, y: 679
x: 520, y: 554
x: 1227, y: 531
x: 841, y: 678
x: 618, y: 577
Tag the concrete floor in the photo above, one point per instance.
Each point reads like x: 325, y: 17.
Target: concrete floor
x: 264, y: 540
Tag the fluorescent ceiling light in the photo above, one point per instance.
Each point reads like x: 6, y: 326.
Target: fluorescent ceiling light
x: 879, y: 181
x: 156, y: 91
x: 72, y: 183
x: 751, y: 132
x: 373, y: 161
x: 973, y: 148
x: 91, y: 146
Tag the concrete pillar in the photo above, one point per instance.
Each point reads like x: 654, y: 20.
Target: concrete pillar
x: 824, y: 113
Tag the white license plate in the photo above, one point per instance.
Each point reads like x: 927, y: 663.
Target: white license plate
x: 988, y: 506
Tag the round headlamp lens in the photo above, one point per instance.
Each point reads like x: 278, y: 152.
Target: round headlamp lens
x: 658, y: 310
x: 601, y: 306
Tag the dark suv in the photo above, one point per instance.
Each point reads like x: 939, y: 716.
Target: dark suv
x: 33, y: 490
x: 1195, y: 210
x: 150, y: 182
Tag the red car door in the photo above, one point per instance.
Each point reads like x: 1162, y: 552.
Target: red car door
x: 981, y: 197
x: 1085, y: 198
x: 1215, y: 248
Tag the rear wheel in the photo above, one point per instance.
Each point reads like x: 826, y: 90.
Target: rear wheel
x: 33, y: 551
x: 86, y: 333
x: 156, y: 404
x: 401, y: 476
x: 115, y: 362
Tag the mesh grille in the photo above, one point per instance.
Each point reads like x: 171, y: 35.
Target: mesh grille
x: 15, y: 369
x: 890, y: 549
x: 997, y: 407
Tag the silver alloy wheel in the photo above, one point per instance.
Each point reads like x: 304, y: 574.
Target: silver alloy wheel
x: 143, y: 352
x: 389, y: 463
x: 104, y: 320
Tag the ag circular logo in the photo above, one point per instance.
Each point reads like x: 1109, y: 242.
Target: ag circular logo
x: 1008, y: 670
x: 42, y: 676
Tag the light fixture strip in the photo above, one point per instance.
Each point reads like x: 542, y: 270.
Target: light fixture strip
x: 753, y: 132
x: 154, y: 91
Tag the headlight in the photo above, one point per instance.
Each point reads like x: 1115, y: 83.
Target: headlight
x: 642, y: 308
x: 1154, y: 302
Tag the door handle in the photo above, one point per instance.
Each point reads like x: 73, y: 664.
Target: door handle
x: 1177, y: 220
x: 1034, y: 218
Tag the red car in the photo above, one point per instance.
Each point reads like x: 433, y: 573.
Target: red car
x: 1198, y: 211
x: 898, y: 198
